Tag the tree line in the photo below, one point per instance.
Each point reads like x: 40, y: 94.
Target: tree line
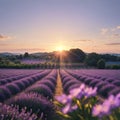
x: 73, y: 57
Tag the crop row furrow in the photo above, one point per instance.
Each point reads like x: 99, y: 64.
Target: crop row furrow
x: 10, y: 89
x: 105, y: 87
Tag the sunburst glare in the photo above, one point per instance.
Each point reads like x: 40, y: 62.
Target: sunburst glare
x: 60, y: 48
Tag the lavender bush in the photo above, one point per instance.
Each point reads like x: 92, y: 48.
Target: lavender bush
x: 48, y: 83
x: 4, y: 93
x: 12, y: 113
x: 42, y: 90
x: 36, y: 103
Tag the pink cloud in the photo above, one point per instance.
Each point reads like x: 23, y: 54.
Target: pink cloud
x: 104, y: 31
x: 4, y: 37
x: 117, y: 43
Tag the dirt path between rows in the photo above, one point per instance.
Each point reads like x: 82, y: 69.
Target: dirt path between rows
x: 59, y: 89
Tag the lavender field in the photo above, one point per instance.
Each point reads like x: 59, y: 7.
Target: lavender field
x: 38, y: 94
x: 59, y: 60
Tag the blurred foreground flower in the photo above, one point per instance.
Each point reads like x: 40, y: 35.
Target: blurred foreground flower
x: 82, y: 104
x: 77, y: 105
x: 110, y: 107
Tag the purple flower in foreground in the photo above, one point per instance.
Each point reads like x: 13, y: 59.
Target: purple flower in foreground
x: 82, y: 91
x: 112, y: 102
x: 67, y: 101
x: 64, y: 98
x: 74, y: 107
x: 101, y: 109
x: 67, y: 108
x: 118, y: 98
x: 88, y: 92
x: 105, y: 108
x: 77, y: 92
x: 97, y: 110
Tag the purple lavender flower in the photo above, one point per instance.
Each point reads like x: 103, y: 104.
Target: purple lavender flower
x: 101, y: 109
x: 118, y: 96
x: 88, y: 92
x: 67, y: 108
x: 97, y: 110
x: 64, y: 98
x: 112, y: 101
x: 12, y: 113
x: 77, y: 92
x: 35, y: 102
x: 107, y: 106
x: 74, y: 107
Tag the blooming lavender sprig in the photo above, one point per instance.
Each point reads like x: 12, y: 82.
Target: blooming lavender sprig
x: 12, y: 113
x: 76, y: 103
x: 83, y: 91
x: 35, y: 102
x: 107, y: 107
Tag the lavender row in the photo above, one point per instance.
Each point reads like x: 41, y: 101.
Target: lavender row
x: 105, y: 87
x: 99, y: 74
x: 18, y: 77
x: 10, y: 89
x: 68, y: 82
x: 6, y: 73
x: 80, y: 75
x: 38, y: 97
x: 45, y: 87
x: 35, y: 104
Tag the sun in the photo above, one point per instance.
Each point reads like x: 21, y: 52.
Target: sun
x: 60, y: 48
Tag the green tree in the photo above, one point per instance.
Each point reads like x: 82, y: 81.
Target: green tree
x: 92, y: 59
x: 76, y: 55
x: 26, y: 55
x: 101, y: 64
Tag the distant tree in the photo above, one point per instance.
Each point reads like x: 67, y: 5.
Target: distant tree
x: 109, y: 57
x: 115, y: 67
x: 101, y: 64
x: 92, y: 59
x: 26, y: 55
x: 76, y: 55
x: 17, y: 62
x: 19, y: 56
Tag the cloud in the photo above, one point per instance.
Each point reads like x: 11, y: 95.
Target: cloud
x: 118, y: 27
x: 23, y: 50
x: 111, y: 33
x: 4, y: 37
x: 30, y: 49
x: 113, y: 29
x: 117, y: 43
x: 114, y: 36
x: 3, y: 44
x: 84, y: 40
x: 104, y: 31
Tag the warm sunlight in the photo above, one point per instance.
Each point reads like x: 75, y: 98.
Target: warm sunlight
x: 60, y: 48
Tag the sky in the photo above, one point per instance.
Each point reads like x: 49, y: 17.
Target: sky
x: 48, y: 25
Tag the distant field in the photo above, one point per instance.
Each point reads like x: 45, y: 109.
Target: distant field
x: 112, y: 63
x: 32, y: 61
